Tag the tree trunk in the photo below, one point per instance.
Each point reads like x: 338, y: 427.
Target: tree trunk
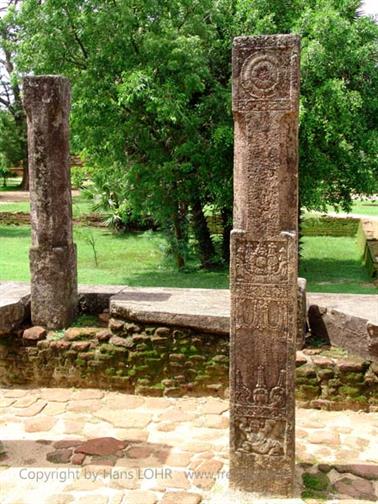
x: 24, y: 186
x: 202, y: 234
x: 179, y: 238
x: 226, y: 215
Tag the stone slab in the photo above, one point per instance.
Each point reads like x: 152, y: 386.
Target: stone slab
x: 14, y: 305
x: 203, y: 309
x: 348, y: 321
x: 209, y: 307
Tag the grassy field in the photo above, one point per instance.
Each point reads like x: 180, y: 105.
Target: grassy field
x: 130, y: 259
x: 329, y: 264
x: 80, y: 206
x: 361, y: 207
x: 332, y: 264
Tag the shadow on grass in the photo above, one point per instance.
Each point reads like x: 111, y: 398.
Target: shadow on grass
x: 167, y: 278
x: 15, y: 231
x: 327, y: 270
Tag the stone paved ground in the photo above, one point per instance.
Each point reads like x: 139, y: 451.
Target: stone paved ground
x: 160, y: 450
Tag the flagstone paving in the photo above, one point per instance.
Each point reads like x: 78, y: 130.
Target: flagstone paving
x: 92, y: 446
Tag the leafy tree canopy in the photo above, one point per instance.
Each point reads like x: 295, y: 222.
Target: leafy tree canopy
x: 151, y: 96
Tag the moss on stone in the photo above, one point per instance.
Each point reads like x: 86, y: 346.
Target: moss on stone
x: 306, y: 392
x: 348, y: 391
x: 318, y: 481
x: 353, y: 377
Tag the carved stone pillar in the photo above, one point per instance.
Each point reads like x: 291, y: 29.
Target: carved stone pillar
x: 264, y: 263
x: 52, y: 254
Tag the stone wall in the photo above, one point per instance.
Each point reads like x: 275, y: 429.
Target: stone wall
x: 172, y: 361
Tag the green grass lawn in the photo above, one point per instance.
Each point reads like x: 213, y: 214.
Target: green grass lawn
x: 13, y: 184
x: 332, y: 264
x: 363, y: 207
x: 80, y: 207
x: 329, y: 264
x: 130, y: 259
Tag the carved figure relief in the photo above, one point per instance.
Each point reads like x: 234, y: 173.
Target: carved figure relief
x: 260, y: 395
x: 261, y: 437
x: 261, y: 261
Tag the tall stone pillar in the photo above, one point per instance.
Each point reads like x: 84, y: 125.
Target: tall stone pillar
x: 264, y: 263
x: 52, y: 253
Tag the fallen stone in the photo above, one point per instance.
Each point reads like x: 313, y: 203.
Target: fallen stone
x: 78, y: 458
x: 351, y: 365
x: 140, y: 452
x: 356, y: 488
x: 366, y: 471
x: 104, y: 317
x: 62, y: 345
x: 62, y: 456
x: 132, y: 328
x: 80, y: 346
x: 116, y: 325
x: 101, y: 446
x: 77, y: 333
x: 123, y: 342
x: 35, y: 333
x: 104, y: 335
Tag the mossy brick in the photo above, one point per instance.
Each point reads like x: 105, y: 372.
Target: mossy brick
x: 348, y: 391
x: 141, y: 338
x: 173, y: 391
x: 148, y: 390
x: 177, y: 357
x: 144, y: 381
x: 197, y: 359
x: 351, y: 377
x: 325, y: 374
x: 104, y: 356
x: 221, y: 359
x: 335, y: 382
x: 179, y: 334
x: 154, y: 363
x: 43, y: 344
x: 162, y: 331
x: 302, y: 380
x: 106, y: 348
x: 142, y: 347
x: 80, y: 362
x: 307, y: 370
x: 160, y: 340
x: 110, y: 371
x: 132, y: 328
x: 307, y: 392
x: 149, y: 353
x: 86, y: 355
x: 94, y: 364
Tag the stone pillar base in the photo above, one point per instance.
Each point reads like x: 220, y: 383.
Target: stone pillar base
x: 53, y: 286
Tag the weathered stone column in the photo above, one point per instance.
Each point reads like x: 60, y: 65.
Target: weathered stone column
x: 52, y: 254
x: 264, y: 263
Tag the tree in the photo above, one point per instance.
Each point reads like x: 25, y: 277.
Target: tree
x: 13, y: 137
x: 151, y: 97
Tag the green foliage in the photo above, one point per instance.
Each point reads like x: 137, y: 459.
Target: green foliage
x: 78, y: 177
x: 151, y: 103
